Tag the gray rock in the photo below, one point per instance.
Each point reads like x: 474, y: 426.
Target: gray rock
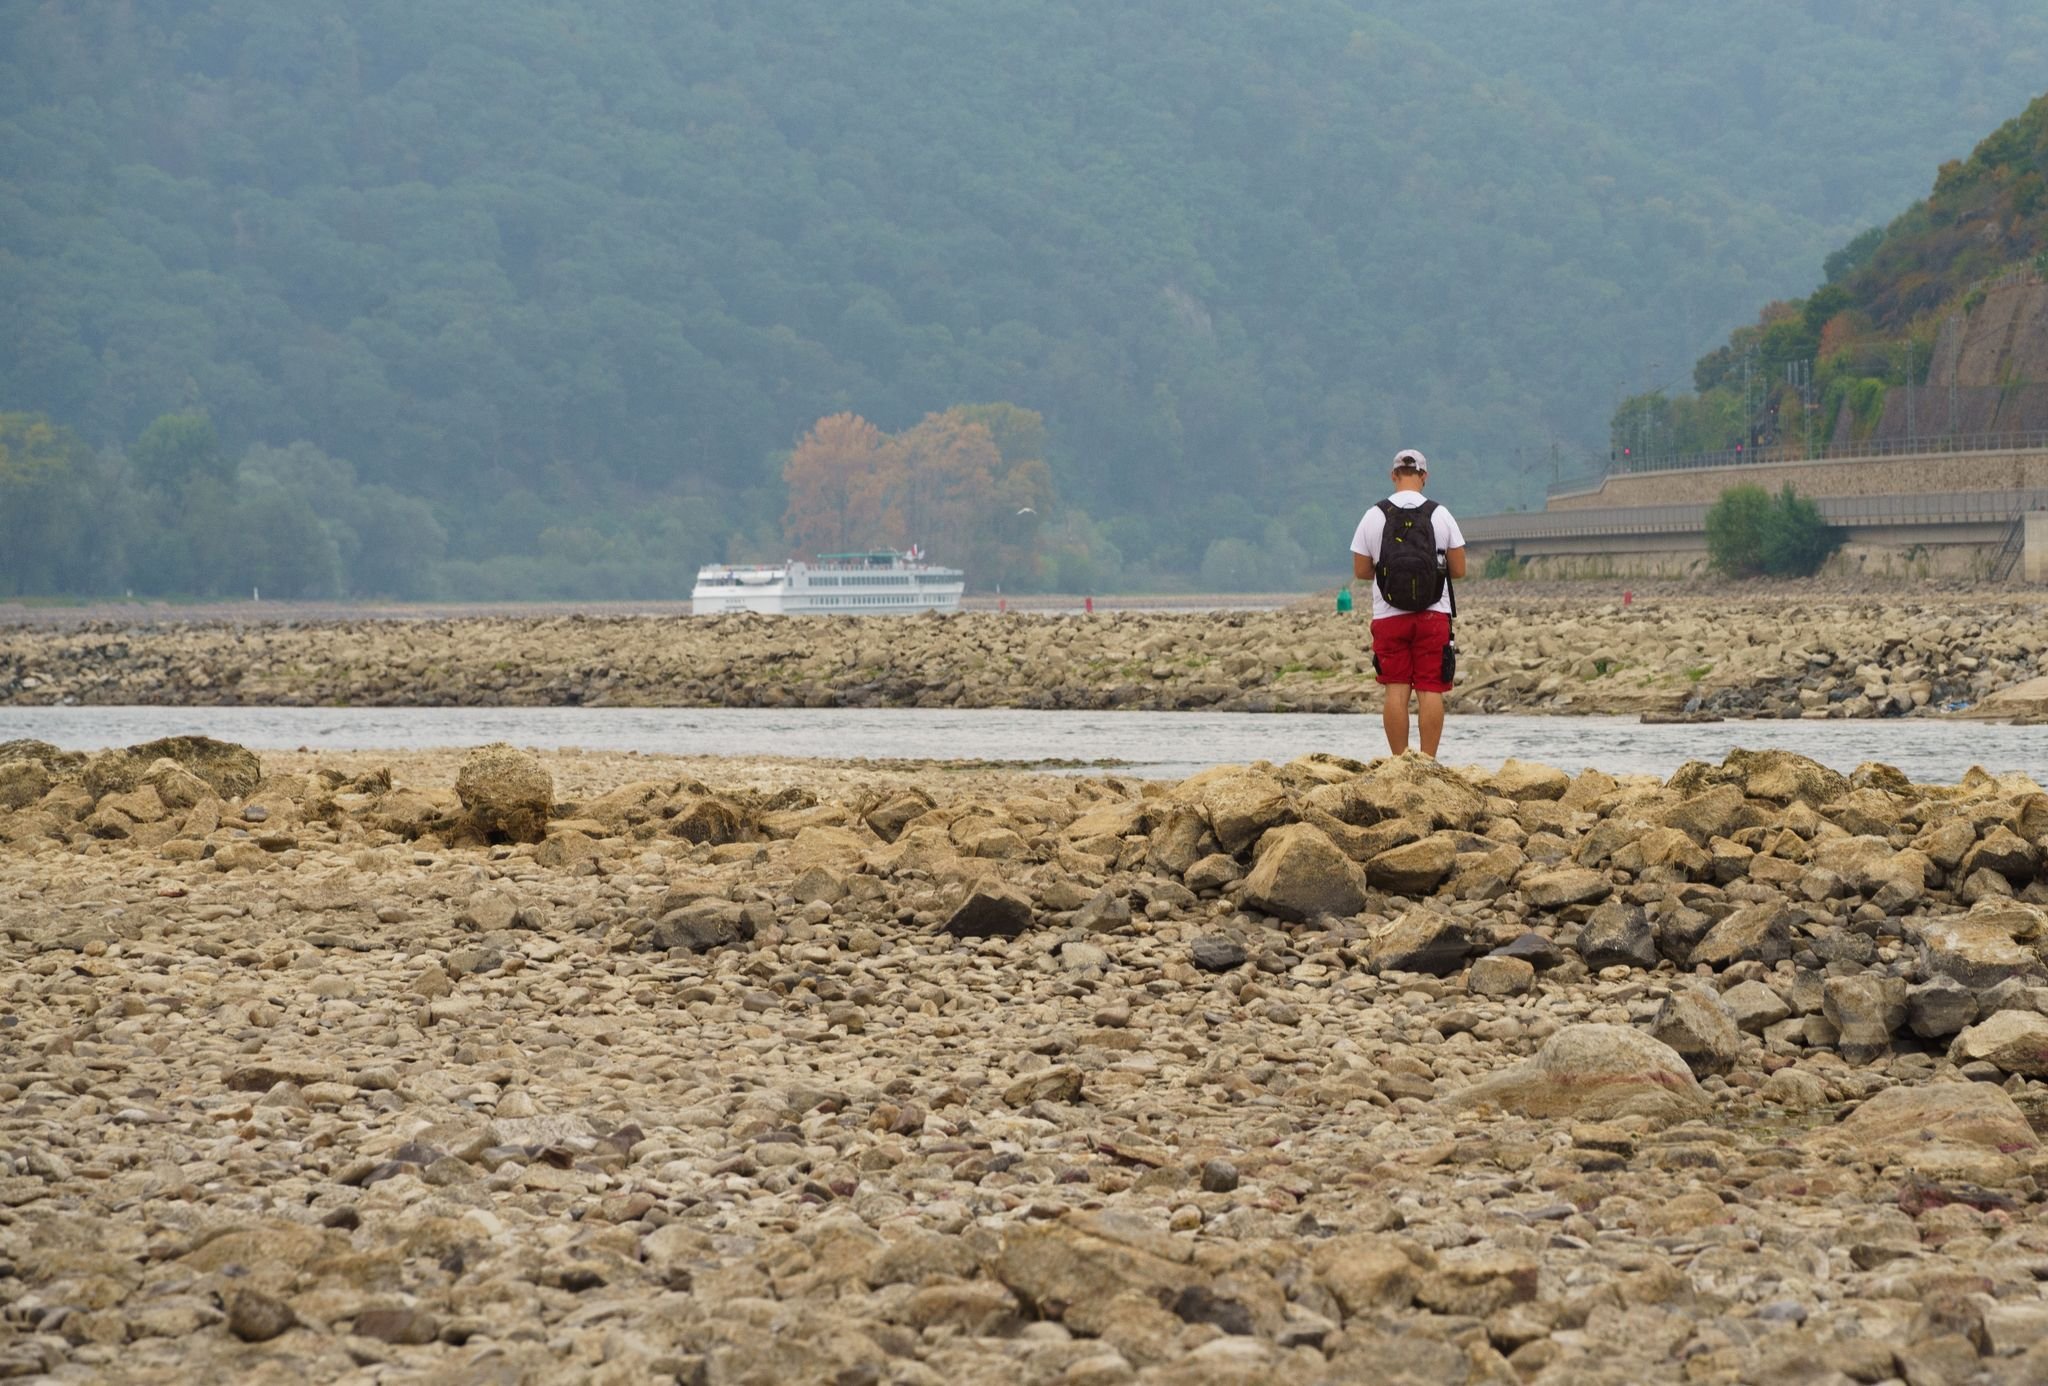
x: 2003, y: 851
x: 1939, y: 1007
x: 991, y: 910
x: 1414, y: 869
x: 1697, y: 1028
x: 1678, y: 931
x: 1865, y: 1010
x: 1301, y: 873
x: 699, y: 926
x: 1756, y: 933
x: 1595, y: 1072
x: 1538, y: 951
x: 1617, y: 935
x: 408, y: 1327
x: 255, y: 1317
x: 1574, y: 885
x: 1213, y: 872
x: 1980, y: 949
x: 1216, y: 953
x: 1422, y: 940
x: 1103, y: 914
x: 1754, y: 1006
x: 2016, y: 1041
x: 1498, y: 976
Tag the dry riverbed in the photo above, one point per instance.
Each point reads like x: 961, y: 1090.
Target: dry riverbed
x: 476, y: 1066
x: 1782, y: 654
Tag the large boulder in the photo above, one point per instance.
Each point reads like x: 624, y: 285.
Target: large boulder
x: 1618, y: 935
x: 1699, y: 1030
x: 1416, y: 787
x: 992, y: 910
x: 2004, y: 851
x: 1781, y: 776
x: 699, y: 926
x: 230, y: 770
x: 1594, y: 1072
x: 1573, y: 885
x: 710, y: 818
x: 1967, y: 1131
x: 507, y: 792
x: 1071, y: 1270
x: 1984, y: 947
x: 1524, y: 781
x: 1872, y: 868
x: 1240, y: 803
x: 22, y: 782
x: 52, y: 758
x: 1422, y: 940
x: 1865, y: 1009
x: 1717, y: 811
x: 2016, y: 1041
x: 1416, y: 868
x: 1301, y: 873
x: 894, y: 810
x: 1761, y: 932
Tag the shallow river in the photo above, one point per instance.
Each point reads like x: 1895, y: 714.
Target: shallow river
x: 1151, y: 744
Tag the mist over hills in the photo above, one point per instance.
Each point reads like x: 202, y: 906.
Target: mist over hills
x: 551, y: 288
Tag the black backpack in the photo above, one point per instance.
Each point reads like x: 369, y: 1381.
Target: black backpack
x: 1408, y: 572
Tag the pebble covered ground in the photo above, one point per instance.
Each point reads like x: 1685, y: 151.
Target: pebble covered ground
x: 1781, y: 653
x: 475, y: 1066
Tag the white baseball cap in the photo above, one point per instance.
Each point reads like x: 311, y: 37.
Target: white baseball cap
x: 1409, y: 457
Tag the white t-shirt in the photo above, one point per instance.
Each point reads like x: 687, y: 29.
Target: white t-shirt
x: 1374, y: 526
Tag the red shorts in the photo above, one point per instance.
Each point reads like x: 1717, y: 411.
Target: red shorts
x: 1409, y: 648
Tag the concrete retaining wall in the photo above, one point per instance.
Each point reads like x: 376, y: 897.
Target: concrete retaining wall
x: 1863, y: 476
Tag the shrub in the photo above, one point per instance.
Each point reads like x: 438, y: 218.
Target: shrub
x: 1735, y: 530
x: 1751, y: 533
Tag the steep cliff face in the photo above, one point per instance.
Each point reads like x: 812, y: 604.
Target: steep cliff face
x: 1988, y: 373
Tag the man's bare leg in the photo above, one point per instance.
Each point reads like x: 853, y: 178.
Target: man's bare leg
x: 1429, y: 712
x: 1395, y: 716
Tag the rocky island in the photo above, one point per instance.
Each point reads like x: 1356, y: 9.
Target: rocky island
x: 1778, y: 653
x: 481, y: 1066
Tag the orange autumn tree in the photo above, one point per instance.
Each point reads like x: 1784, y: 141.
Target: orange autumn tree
x: 835, y: 487
x: 969, y: 485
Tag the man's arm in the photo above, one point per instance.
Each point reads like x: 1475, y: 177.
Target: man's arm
x: 1454, y: 561
x: 1361, y: 566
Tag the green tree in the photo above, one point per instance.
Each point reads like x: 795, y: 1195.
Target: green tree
x: 177, y: 449
x: 1751, y: 533
x: 1736, y: 525
x: 1797, y: 541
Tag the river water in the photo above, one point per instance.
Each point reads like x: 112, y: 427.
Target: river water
x: 1148, y: 744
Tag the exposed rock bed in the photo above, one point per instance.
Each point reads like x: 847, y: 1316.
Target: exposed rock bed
x: 1321, y: 1072
x: 1779, y: 656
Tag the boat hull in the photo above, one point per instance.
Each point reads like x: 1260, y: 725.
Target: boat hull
x: 870, y: 585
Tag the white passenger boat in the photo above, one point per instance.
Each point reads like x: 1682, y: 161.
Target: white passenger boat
x: 883, y: 583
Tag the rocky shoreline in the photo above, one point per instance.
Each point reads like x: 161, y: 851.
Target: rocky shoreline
x: 1776, y: 656
x: 485, y: 1067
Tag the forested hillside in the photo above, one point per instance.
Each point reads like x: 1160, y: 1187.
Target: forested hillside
x: 553, y: 287
x: 1817, y: 370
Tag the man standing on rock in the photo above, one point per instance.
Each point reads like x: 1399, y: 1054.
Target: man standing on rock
x: 1410, y: 548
